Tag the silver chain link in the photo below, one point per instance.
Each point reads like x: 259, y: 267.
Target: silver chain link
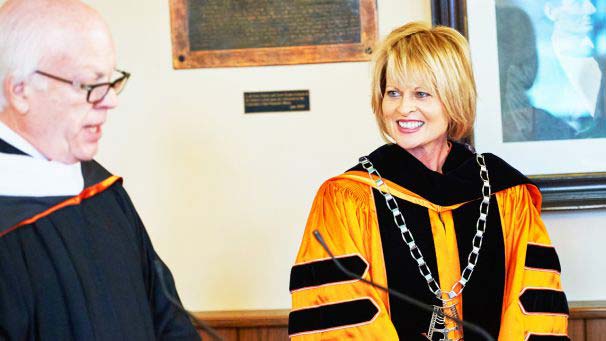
x: 415, y: 252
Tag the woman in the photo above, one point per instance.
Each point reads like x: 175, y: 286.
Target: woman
x: 427, y: 217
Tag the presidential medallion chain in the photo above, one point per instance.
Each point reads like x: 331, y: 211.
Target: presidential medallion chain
x: 438, y: 324
x: 415, y: 252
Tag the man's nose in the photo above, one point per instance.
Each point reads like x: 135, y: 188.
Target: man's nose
x: 110, y: 100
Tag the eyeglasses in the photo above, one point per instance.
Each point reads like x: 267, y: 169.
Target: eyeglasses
x: 95, y: 92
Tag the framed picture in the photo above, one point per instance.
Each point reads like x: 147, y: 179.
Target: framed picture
x: 223, y: 33
x: 540, y: 76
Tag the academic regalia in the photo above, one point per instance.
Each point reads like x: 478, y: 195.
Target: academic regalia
x: 514, y: 293
x: 78, y: 264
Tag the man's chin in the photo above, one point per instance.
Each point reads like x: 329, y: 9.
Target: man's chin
x: 85, y: 154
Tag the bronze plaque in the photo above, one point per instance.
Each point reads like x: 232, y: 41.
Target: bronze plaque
x: 216, y: 33
x: 273, y: 101
x: 228, y: 25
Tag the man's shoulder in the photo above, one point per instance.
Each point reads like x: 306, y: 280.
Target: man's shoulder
x: 99, y: 184
x: 93, y: 173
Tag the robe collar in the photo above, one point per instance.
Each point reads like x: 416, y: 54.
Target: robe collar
x: 460, y: 181
x: 24, y: 175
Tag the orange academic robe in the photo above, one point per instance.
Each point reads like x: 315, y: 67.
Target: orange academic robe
x: 514, y: 293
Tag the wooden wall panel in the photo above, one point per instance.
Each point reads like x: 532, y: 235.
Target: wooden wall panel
x: 576, y: 330
x: 263, y: 334
x: 596, y: 329
x: 587, y: 323
x: 228, y: 334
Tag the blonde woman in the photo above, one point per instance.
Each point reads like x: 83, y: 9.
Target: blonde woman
x: 426, y: 216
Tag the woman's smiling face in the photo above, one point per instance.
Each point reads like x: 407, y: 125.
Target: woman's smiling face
x: 414, y: 116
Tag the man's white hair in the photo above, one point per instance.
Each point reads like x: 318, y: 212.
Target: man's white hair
x: 22, y: 42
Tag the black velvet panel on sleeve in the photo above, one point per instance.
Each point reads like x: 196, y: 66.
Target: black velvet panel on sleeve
x: 325, y: 271
x: 331, y: 316
x: 542, y: 258
x: 544, y: 301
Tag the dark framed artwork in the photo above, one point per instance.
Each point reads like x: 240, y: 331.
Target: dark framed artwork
x: 224, y: 33
x: 540, y: 76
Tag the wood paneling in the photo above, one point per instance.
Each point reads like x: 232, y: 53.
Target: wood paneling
x: 576, y: 329
x: 248, y: 325
x: 587, y: 309
x: 263, y: 334
x: 226, y: 333
x: 587, y: 323
x: 595, y: 329
x: 244, y: 318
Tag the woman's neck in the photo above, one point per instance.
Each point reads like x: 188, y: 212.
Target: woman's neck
x: 433, y: 156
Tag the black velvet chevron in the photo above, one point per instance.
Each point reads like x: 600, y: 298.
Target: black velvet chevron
x: 544, y: 301
x: 331, y: 316
x: 542, y: 257
x: 325, y: 272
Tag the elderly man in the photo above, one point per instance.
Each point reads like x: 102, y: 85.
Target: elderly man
x: 75, y: 259
x: 570, y: 80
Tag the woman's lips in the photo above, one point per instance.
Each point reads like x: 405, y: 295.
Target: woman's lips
x: 409, y: 126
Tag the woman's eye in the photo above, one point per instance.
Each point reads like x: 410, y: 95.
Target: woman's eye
x: 392, y: 93
x: 421, y: 94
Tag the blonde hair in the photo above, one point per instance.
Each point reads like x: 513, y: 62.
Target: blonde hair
x: 436, y: 57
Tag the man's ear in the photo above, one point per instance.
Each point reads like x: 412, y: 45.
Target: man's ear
x: 16, y: 94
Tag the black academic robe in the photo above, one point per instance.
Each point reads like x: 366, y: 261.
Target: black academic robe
x: 83, y: 268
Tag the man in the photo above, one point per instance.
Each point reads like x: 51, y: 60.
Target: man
x: 518, y: 64
x: 569, y: 82
x: 75, y: 259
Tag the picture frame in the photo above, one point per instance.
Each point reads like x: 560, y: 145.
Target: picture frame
x: 233, y: 33
x: 571, y: 173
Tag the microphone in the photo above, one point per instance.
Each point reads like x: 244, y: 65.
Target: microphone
x: 201, y: 325
x: 410, y: 300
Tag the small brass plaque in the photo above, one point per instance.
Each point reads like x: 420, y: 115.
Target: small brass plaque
x: 275, y: 101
